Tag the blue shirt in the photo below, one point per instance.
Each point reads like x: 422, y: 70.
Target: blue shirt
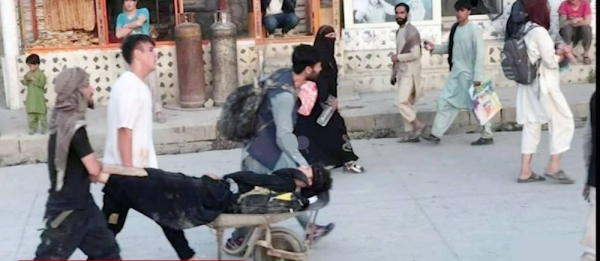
x: 122, y: 20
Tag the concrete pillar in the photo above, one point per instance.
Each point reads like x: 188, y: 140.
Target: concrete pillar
x: 10, y: 42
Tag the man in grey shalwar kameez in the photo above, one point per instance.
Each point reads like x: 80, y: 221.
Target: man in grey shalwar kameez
x: 466, y: 69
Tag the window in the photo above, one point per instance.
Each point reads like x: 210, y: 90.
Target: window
x: 162, y: 18
x: 52, y: 27
x: 307, y: 12
x: 480, y: 7
x: 204, y: 10
x: 80, y: 23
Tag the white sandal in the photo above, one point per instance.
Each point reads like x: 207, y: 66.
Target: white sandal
x: 352, y: 167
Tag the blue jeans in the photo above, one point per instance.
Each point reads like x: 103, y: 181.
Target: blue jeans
x: 285, y: 21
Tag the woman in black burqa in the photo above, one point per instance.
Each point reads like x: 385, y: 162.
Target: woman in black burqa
x: 329, y: 145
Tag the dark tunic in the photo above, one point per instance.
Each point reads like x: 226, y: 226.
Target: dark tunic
x: 180, y: 202
x: 329, y: 145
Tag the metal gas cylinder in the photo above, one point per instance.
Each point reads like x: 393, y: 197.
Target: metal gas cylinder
x: 190, y: 63
x: 223, y: 53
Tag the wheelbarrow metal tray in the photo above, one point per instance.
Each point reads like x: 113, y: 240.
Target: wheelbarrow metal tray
x: 243, y: 220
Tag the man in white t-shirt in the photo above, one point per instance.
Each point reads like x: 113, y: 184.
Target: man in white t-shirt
x: 129, y: 140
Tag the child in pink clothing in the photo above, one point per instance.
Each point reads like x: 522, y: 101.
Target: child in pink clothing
x: 575, y: 18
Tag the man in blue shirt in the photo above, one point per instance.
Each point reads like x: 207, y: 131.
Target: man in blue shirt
x: 132, y: 20
x: 137, y: 21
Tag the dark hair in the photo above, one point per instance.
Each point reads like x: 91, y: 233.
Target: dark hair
x: 33, y: 59
x: 133, y: 42
x: 304, y: 56
x: 322, y: 180
x: 406, y: 7
x: 463, y: 4
x: 537, y: 12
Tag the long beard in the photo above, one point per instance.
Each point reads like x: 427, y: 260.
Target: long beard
x: 91, y: 104
x: 401, y: 22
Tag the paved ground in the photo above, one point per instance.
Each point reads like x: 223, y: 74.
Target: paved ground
x: 417, y: 202
x: 195, y: 131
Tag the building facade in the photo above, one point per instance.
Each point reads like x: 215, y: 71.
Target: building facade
x: 365, y: 27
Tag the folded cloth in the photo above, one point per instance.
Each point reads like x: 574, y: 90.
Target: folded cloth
x: 308, y: 96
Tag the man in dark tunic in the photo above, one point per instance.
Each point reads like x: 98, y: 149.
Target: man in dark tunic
x: 73, y: 218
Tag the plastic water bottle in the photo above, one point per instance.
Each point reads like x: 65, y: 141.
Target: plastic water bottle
x: 328, y: 111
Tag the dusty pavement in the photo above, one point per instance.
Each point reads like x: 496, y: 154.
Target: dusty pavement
x: 367, y: 114
x: 417, y: 202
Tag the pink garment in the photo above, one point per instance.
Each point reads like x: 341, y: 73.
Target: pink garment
x: 308, y: 96
x: 582, y: 11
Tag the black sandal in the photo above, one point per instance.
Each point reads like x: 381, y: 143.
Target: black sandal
x: 532, y: 178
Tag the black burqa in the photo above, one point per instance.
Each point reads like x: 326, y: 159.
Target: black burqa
x: 329, y: 145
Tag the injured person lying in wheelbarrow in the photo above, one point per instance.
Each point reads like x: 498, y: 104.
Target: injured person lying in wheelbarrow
x: 180, y: 201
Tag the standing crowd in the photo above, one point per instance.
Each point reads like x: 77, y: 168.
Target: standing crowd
x: 299, y: 133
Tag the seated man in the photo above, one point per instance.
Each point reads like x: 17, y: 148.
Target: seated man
x: 279, y: 14
x: 180, y: 202
x: 575, y: 17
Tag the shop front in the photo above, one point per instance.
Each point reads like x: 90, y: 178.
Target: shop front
x: 370, y: 40
x: 366, y: 29
x: 87, y: 38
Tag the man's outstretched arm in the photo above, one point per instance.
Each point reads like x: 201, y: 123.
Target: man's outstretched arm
x: 108, y: 170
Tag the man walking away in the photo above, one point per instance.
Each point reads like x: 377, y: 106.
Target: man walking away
x: 279, y: 14
x: 274, y: 145
x: 73, y: 218
x: 589, y: 191
x: 129, y: 139
x: 466, y: 54
x: 407, y: 67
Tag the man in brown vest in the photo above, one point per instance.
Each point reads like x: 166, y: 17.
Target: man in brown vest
x: 407, y: 73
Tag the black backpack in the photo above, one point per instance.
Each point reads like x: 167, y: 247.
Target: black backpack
x: 515, y: 60
x: 239, y: 118
x: 264, y: 201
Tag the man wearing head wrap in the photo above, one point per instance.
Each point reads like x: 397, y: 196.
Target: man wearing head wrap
x: 466, y: 54
x: 73, y: 218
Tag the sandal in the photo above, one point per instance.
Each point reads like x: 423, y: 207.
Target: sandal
x: 561, y: 177
x: 409, y: 139
x: 532, y: 178
x: 352, y: 167
x: 587, y: 60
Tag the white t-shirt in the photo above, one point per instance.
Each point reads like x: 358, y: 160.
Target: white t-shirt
x: 274, y: 7
x: 130, y: 106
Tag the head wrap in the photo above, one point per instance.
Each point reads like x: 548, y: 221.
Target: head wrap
x: 537, y: 12
x: 68, y: 115
x: 326, y: 46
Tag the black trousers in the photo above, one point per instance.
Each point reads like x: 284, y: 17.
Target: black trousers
x: 115, y: 210
x: 85, y: 229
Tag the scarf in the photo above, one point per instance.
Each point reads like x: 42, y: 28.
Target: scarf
x: 68, y: 115
x: 538, y: 12
x: 413, y: 37
x: 326, y: 47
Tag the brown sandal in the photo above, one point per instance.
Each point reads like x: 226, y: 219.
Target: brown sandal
x: 587, y: 60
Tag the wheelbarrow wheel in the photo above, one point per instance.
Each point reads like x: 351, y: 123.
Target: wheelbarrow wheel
x: 281, y: 239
